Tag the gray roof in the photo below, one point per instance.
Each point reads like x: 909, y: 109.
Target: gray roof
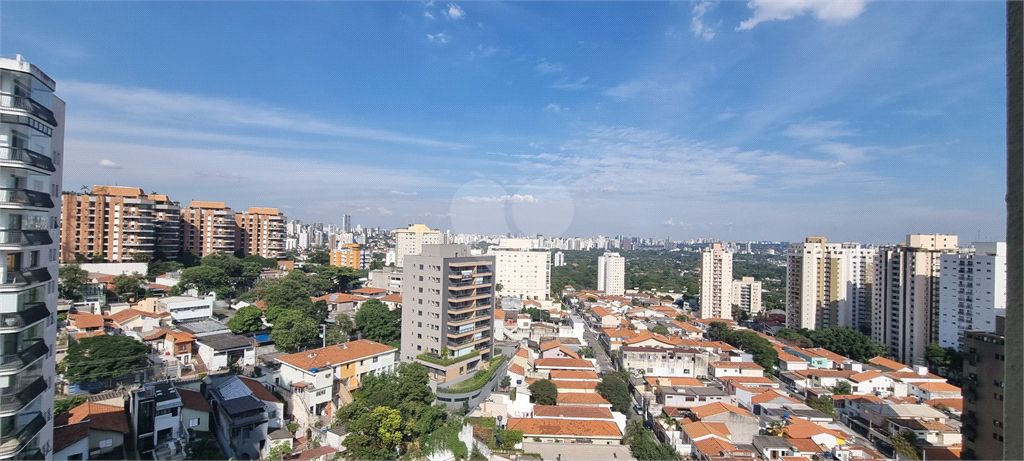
x: 280, y: 434
x: 225, y: 341
x: 770, y: 441
x: 202, y: 327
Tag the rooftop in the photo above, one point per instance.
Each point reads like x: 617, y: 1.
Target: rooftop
x: 564, y: 427
x: 335, y: 355
x: 225, y: 341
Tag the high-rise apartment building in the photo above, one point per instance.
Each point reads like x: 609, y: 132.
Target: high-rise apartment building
x: 746, y: 293
x: 208, y: 227
x: 611, y: 274
x: 828, y: 284
x: 905, y: 295
x: 448, y: 310
x: 715, y: 283
x: 559, y: 259
x: 31, y: 143
x: 349, y: 255
x: 119, y: 224
x: 523, y: 268
x: 260, y: 231
x: 346, y: 223
x: 972, y: 291
x: 410, y: 241
x: 983, y: 392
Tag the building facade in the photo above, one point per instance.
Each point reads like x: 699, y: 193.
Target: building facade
x: 972, y: 291
x: 523, y: 268
x: 207, y: 228
x: 905, y: 295
x: 983, y: 392
x: 611, y: 274
x: 260, y: 231
x: 32, y: 137
x: 746, y: 293
x: 120, y: 224
x: 349, y: 255
x: 448, y: 310
x: 828, y: 284
x: 715, y: 283
x: 410, y: 241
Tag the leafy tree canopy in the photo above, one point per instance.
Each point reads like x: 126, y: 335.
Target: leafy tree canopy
x: 103, y: 357
x: 544, y: 392
x: 70, y: 277
x: 378, y: 323
x: 644, y: 446
x: 292, y: 330
x: 128, y: 286
x: 616, y: 391
x: 205, y: 279
x: 247, y: 319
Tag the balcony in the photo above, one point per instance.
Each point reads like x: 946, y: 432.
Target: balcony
x: 16, y: 321
x: 13, y: 101
x: 25, y: 197
x: 457, y: 332
x: 15, y: 400
x: 26, y: 277
x: 10, y: 444
x: 31, y: 158
x: 24, y: 238
x: 456, y: 320
x: 469, y: 340
x: 14, y: 362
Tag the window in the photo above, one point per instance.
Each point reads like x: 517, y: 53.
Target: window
x: 193, y: 422
x: 106, y: 443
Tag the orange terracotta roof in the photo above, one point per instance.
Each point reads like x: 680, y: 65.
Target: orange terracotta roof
x: 687, y: 327
x: 335, y: 355
x: 864, y: 376
x: 575, y: 374
x: 517, y: 369
x: 550, y: 345
x: 67, y: 435
x: 194, y: 400
x: 571, y: 411
x: 337, y: 298
x: 787, y: 357
x: 564, y: 427
x: 714, y: 408
x: 771, y: 395
x: 129, y: 314
x: 86, y: 320
x: 747, y: 379
x: 210, y: 205
x: 802, y: 429
x: 499, y: 315
x: 620, y: 333
x: 258, y: 390
x: 863, y: 398
x: 100, y: 416
x: 263, y: 211
x: 738, y: 365
x: 942, y: 453
x: 397, y: 298
x: 563, y: 363
x: 698, y: 429
x: 522, y: 353
x: 673, y: 381
x: 568, y: 384
x: 601, y: 311
x: 713, y: 447
x: 119, y: 191
x: 805, y: 445
x: 956, y: 404
x: 910, y: 375
x: 369, y: 291
x: 315, y: 453
x: 647, y: 335
x: 569, y: 352
x: 581, y: 398
x: 937, y: 387
x: 887, y: 364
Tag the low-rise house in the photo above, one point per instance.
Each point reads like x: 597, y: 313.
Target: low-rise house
x: 606, y: 318
x: 220, y: 351
x: 134, y: 319
x: 394, y: 301
x: 665, y: 361
x: 567, y: 430
x: 547, y: 365
x: 695, y: 432
x: 71, y: 441
x: 274, y: 405
x: 728, y: 369
x: 156, y: 417
x: 790, y: 362
x: 370, y: 292
x: 107, y: 427
x: 933, y: 390
x: 84, y: 325
x: 196, y: 412
x: 240, y: 417
x: 186, y: 308
x: 797, y: 428
x: 743, y: 425
x: 595, y: 400
x: 169, y: 342
x: 871, y: 382
x: 772, y: 447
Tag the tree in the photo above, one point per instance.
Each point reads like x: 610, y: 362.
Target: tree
x: 823, y: 404
x: 905, y: 443
x: 683, y: 318
x: 845, y: 341
x: 103, y: 357
x: 345, y: 323
x: 128, y: 286
x: 587, y: 352
x: 378, y: 323
x: 544, y: 392
x: 660, y: 329
x: 644, y: 446
x: 62, y: 406
x: 375, y: 434
x: 205, y: 448
x: 842, y: 388
x: 537, y: 315
x: 340, y: 278
x: 205, y: 279
x: 71, y: 276
x: 279, y: 451
x: 717, y: 331
x: 318, y: 257
x: 292, y: 330
x: 247, y: 319
x: 505, y: 382
x: 616, y: 391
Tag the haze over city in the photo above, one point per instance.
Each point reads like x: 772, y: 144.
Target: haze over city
x: 731, y: 120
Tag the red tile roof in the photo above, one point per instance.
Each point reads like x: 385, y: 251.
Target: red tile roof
x: 580, y: 398
x: 571, y: 411
x: 194, y: 400
x: 335, y: 355
x: 86, y: 320
x: 100, y: 416
x: 550, y: 345
x: 517, y: 369
x: 369, y: 291
x: 744, y: 365
x: 65, y: 436
x: 563, y: 363
x: 715, y: 408
x: 563, y: 384
x: 564, y: 427
x: 258, y: 390
x: 713, y: 447
x: 771, y: 395
x: 392, y: 298
x: 314, y: 453
x: 575, y: 374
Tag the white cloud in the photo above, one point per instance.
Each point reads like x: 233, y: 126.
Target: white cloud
x: 835, y: 11
x: 486, y: 51
x: 427, y: 15
x: 546, y: 67
x: 819, y: 130
x: 440, y: 37
x: 555, y: 107
x: 514, y: 198
x: 455, y: 12
x: 109, y: 164
x: 697, y: 25
x: 846, y: 153
x: 403, y: 193
x: 572, y: 85
x: 668, y: 222
x: 384, y: 211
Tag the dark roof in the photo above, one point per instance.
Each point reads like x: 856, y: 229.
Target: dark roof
x: 164, y: 391
x: 65, y: 436
x: 199, y: 327
x: 194, y: 400
x: 242, y: 405
x: 225, y: 341
x: 259, y: 390
x: 280, y: 434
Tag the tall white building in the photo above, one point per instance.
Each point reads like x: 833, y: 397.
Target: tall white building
x: 523, y: 268
x: 972, y: 291
x: 715, y: 283
x: 746, y: 293
x: 905, y: 295
x: 611, y: 274
x: 31, y: 142
x: 559, y: 259
x: 410, y: 241
x: 828, y: 284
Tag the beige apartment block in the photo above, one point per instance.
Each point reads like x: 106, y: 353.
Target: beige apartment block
x: 746, y: 293
x: 119, y: 223
x: 715, y: 283
x: 410, y: 241
x: 208, y: 227
x: 828, y: 284
x: 260, y: 231
x: 523, y: 268
x: 611, y: 274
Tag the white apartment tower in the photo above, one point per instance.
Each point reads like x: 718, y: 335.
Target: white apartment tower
x: 905, y: 295
x: 523, y: 268
x: 410, y: 241
x: 828, y: 284
x: 611, y: 274
x: 31, y: 142
x: 972, y: 291
x: 746, y: 293
x: 715, y: 283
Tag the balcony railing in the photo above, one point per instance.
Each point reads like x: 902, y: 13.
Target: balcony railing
x: 32, y: 158
x: 10, y: 444
x: 20, y: 237
x: 18, y: 320
x: 27, y: 277
x: 16, y: 400
x: 12, y: 362
x: 28, y: 105
x: 25, y: 197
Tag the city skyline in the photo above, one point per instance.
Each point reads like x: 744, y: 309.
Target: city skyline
x: 863, y: 122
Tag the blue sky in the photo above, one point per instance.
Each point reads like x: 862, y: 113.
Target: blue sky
x: 730, y: 120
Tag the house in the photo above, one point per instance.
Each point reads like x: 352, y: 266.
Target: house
x: 559, y: 430
x: 307, y: 379
x: 134, y: 319
x: 274, y: 405
x: 168, y: 342
x: 546, y: 365
x: 220, y: 351
x: 185, y: 308
x: 790, y: 362
x: 71, y: 441
x: 595, y: 400
x: 726, y: 369
x: 156, y: 417
x: 196, y: 412
x: 370, y: 292
x: 605, y: 317
x: 741, y: 423
x: 240, y: 418
x: 871, y: 382
x: 106, y: 426
x: 555, y: 349
x: 665, y: 361
x: 394, y: 301
x: 84, y: 325
x: 933, y: 390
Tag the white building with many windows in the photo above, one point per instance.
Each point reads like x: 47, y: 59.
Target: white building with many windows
x: 611, y: 274
x: 972, y: 291
x: 716, y: 283
x: 523, y: 269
